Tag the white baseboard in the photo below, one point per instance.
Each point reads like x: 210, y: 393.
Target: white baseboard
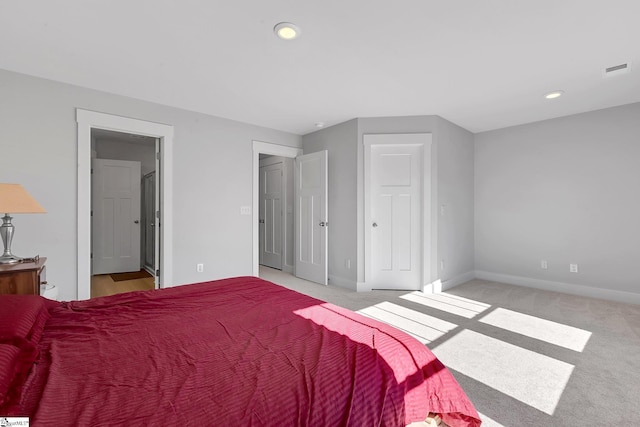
x: 287, y: 269
x: 363, y: 287
x: 458, y: 280
x: 343, y: 283
x: 440, y: 286
x: 567, y: 288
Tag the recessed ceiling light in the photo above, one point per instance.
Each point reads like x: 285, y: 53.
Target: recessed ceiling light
x: 554, y: 94
x: 287, y: 30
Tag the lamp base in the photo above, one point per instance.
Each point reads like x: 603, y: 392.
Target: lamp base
x: 6, y: 232
x: 9, y: 259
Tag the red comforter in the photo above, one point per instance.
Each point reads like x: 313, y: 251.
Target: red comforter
x: 234, y: 352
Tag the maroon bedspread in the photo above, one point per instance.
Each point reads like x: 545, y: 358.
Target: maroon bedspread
x: 235, y: 352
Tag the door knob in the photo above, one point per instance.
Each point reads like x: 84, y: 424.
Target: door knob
x: 374, y: 225
x: 136, y: 222
x: 323, y: 224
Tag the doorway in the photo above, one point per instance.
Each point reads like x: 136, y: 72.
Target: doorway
x: 264, y: 149
x: 310, y: 231
x: 275, y: 222
x: 163, y: 134
x: 121, y: 234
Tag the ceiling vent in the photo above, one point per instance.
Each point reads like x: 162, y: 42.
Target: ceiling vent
x: 616, y: 70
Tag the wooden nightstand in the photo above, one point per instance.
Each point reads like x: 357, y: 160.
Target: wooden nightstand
x: 22, y: 278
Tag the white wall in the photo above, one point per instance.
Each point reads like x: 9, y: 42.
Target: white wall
x: 566, y: 191
x: 212, y: 177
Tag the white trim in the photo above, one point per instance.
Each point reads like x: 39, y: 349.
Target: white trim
x: 567, y: 288
x: 362, y: 287
x: 343, y: 283
x: 287, y: 268
x: 88, y: 120
x: 260, y: 147
x: 440, y: 286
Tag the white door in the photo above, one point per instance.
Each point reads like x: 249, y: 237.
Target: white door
x: 394, y: 206
x: 270, y: 217
x: 116, y: 216
x: 311, y: 217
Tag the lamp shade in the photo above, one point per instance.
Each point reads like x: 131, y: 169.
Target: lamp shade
x: 15, y: 199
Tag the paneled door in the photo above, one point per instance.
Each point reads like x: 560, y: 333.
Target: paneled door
x: 270, y: 218
x: 116, y: 216
x: 394, y: 206
x: 311, y: 217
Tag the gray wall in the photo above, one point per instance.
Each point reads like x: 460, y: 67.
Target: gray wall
x: 565, y: 191
x: 119, y: 150
x: 453, y: 187
x: 452, y: 167
x: 340, y: 142
x: 212, y: 177
x: 455, y: 200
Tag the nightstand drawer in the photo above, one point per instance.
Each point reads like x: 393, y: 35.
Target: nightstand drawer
x: 22, y: 278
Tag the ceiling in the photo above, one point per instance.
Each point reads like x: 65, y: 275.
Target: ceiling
x: 480, y: 64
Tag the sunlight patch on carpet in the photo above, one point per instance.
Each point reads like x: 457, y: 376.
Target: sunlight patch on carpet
x: 532, y: 378
x: 541, y: 329
x: 421, y: 326
x: 450, y: 303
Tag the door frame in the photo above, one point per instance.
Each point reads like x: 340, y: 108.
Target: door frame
x: 88, y: 120
x: 261, y: 147
x: 429, y: 201
x: 143, y: 223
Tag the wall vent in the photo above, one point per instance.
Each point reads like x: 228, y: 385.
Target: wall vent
x: 617, y: 70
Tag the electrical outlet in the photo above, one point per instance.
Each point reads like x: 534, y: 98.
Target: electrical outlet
x: 573, y: 268
x: 543, y: 264
x: 442, y: 265
x: 347, y: 264
x: 199, y: 268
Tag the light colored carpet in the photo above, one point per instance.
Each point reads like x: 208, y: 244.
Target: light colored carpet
x: 525, y: 357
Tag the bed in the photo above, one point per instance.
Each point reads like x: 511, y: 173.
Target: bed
x: 235, y: 352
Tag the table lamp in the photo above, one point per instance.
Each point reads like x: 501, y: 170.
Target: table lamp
x: 14, y: 199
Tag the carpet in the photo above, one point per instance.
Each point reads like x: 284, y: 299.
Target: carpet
x: 119, y: 277
x: 524, y: 356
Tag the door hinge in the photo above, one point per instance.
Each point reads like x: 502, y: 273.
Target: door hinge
x: 158, y: 272
x: 158, y: 214
x: 91, y: 213
x: 157, y: 155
